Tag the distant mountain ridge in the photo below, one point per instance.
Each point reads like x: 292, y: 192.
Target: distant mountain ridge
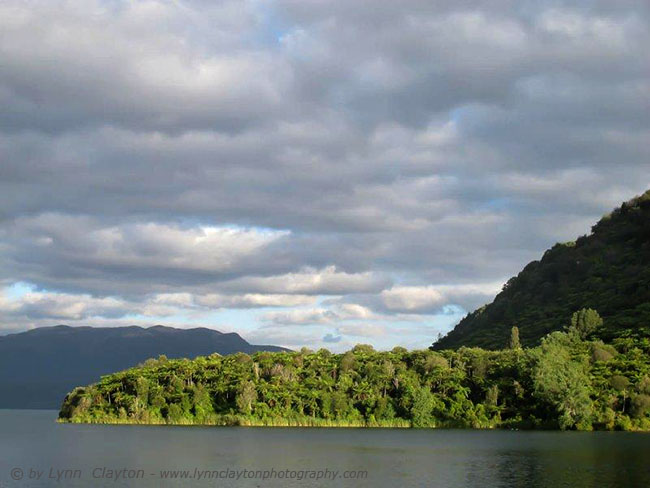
x: 608, y: 270
x: 40, y: 366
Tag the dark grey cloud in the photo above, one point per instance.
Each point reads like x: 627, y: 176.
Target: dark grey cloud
x: 331, y: 338
x: 396, y: 155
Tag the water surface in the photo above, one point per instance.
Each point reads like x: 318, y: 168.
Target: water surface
x: 31, y: 443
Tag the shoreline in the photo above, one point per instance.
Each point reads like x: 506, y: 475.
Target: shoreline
x: 402, y: 425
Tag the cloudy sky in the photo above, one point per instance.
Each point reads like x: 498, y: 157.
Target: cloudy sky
x: 306, y: 172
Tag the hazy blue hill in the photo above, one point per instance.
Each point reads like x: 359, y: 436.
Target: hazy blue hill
x: 608, y: 270
x: 38, y: 367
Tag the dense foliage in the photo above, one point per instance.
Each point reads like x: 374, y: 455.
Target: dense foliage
x: 567, y: 382
x: 609, y: 271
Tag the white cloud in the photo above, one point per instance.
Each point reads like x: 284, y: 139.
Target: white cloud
x: 339, y: 312
x: 325, y: 281
x: 47, y: 305
x: 363, y: 330
x: 412, y: 298
x: 301, y: 317
x: 428, y: 299
x: 350, y: 311
x: 207, y: 248
x: 253, y: 300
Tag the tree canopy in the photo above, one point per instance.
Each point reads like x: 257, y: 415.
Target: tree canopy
x: 568, y: 382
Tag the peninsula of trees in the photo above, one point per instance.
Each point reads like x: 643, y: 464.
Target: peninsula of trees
x: 571, y: 381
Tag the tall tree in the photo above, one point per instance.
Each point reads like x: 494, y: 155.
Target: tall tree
x: 584, y: 322
x: 562, y: 382
x: 514, y: 343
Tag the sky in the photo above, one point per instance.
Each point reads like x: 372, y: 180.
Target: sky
x: 306, y: 172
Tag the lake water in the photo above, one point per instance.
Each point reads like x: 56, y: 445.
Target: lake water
x: 45, y: 453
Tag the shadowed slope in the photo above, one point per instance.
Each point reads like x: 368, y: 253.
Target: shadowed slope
x: 608, y: 270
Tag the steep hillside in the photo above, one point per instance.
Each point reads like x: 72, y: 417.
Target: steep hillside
x: 608, y: 270
x: 38, y: 367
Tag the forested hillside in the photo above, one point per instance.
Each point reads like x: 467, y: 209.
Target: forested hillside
x: 608, y: 270
x: 568, y: 382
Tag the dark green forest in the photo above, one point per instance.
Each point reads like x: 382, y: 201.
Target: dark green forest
x: 571, y: 381
x: 608, y: 270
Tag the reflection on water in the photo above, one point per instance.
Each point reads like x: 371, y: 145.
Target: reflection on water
x: 88, y: 455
